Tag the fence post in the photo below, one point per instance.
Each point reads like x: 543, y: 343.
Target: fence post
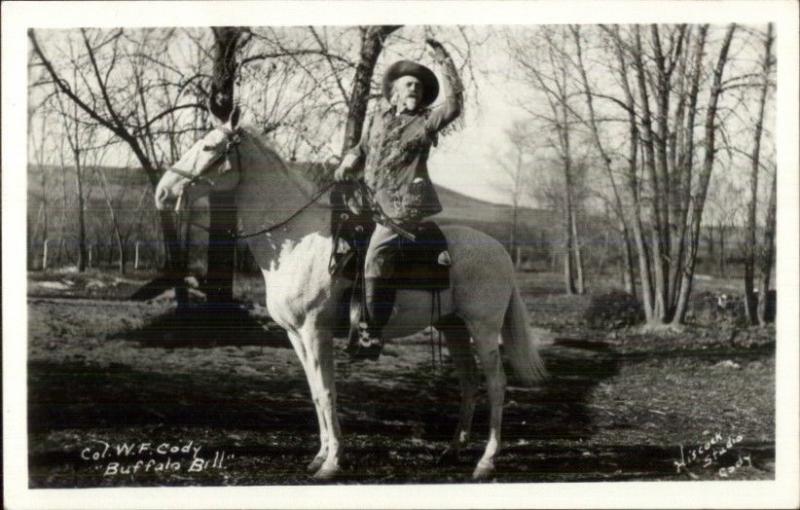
x: 44, y: 255
x: 91, y: 255
x: 136, y: 257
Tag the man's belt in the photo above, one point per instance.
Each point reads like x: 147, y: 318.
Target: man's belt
x: 380, y: 217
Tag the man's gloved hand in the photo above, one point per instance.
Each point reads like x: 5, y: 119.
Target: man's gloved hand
x: 439, y: 53
x: 341, y: 174
x: 345, y: 169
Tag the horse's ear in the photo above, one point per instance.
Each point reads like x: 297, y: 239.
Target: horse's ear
x: 234, y: 118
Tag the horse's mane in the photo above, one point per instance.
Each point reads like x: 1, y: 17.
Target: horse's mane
x: 310, y: 175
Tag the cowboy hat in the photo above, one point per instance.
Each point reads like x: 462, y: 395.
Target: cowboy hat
x: 430, y: 85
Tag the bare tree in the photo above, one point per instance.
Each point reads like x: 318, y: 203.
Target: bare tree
x: 117, y: 228
x: 548, y: 73
x: 40, y: 155
x: 768, y: 255
x: 372, y: 42
x: 666, y: 194
x: 109, y: 99
x: 688, y: 257
x: 516, y: 183
x: 724, y: 209
x: 606, y: 161
x: 751, y: 300
x: 78, y: 138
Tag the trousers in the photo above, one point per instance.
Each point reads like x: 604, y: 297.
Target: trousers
x: 381, y: 255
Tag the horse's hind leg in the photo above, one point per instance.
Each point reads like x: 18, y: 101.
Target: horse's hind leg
x: 487, y: 342
x: 458, y: 343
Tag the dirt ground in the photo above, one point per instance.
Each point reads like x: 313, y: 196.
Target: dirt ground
x: 115, y: 384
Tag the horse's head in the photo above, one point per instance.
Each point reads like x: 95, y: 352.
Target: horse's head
x: 212, y: 164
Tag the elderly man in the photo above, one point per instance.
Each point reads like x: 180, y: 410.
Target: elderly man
x: 393, y: 154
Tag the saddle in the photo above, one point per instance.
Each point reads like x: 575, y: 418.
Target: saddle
x: 423, y: 262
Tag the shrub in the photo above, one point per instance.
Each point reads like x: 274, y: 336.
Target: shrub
x: 613, y: 310
x: 714, y: 308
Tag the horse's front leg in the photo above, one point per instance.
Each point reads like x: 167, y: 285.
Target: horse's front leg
x: 301, y: 351
x: 320, y: 372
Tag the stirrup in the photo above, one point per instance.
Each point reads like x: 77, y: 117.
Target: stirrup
x: 365, y: 339
x: 367, y: 347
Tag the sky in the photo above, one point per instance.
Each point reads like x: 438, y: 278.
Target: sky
x: 466, y: 160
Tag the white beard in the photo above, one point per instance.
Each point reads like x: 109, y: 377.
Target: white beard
x: 411, y: 104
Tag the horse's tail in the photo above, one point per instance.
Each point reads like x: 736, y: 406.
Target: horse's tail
x: 521, y: 342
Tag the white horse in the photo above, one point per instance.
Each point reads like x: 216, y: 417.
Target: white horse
x: 301, y: 295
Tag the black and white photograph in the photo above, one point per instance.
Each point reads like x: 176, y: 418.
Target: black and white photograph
x: 400, y: 254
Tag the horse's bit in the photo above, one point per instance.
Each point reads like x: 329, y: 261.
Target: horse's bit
x: 232, y: 145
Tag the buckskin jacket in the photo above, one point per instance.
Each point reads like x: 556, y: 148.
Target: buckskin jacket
x: 394, y: 151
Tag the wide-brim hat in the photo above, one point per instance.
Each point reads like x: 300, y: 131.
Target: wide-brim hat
x: 430, y: 85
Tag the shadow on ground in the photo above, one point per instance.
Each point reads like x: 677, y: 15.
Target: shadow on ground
x: 396, y: 420
x: 207, y: 326
x: 397, y: 415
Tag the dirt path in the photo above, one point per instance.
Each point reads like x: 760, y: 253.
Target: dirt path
x: 116, y: 374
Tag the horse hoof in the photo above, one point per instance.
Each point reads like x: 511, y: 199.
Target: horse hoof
x: 449, y: 456
x: 326, y: 473
x: 484, y: 471
x: 315, y: 464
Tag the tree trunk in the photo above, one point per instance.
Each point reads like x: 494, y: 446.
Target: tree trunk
x: 632, y: 180
x: 221, y: 248
x: 569, y: 261
x: 768, y: 257
x: 569, y: 278
x: 629, y: 278
x: 372, y: 39
x: 751, y: 300
x: 580, y: 287
x: 41, y: 160
x: 696, y: 213
x: 222, y: 209
x: 515, y: 192
x: 121, y: 250
x: 721, y: 248
x: 513, y: 241
x: 80, y: 209
x: 660, y: 274
x: 101, y: 177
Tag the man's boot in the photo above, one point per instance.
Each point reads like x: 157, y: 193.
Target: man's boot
x: 380, y: 296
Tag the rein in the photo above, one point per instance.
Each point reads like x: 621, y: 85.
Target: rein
x: 312, y: 201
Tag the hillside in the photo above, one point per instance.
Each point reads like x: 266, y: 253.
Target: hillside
x: 459, y: 208
x: 491, y: 218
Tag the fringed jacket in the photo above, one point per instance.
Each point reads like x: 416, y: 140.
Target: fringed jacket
x: 394, y: 151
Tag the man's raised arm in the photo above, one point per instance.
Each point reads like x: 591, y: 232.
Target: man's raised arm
x: 451, y: 89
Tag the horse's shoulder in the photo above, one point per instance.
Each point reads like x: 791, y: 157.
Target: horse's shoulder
x: 457, y: 233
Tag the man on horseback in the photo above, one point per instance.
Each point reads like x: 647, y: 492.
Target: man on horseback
x: 392, y: 158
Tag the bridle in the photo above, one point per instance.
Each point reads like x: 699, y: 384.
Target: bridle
x: 232, y: 142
